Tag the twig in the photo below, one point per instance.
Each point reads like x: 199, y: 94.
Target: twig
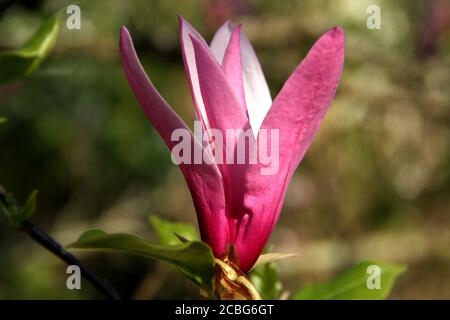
x: 54, y: 247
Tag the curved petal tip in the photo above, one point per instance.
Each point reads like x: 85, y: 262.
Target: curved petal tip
x: 124, y: 31
x: 181, y: 19
x: 337, y: 34
x: 124, y: 39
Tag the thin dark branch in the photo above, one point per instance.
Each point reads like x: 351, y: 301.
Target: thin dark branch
x: 53, y: 246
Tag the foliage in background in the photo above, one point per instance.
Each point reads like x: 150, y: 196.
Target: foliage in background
x: 18, y: 215
x: 266, y: 280
x: 194, y: 258
x: 353, y: 284
x: 169, y: 233
x: 20, y: 63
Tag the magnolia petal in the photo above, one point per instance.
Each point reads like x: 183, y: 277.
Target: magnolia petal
x: 297, y: 113
x: 186, y: 32
x: 224, y: 113
x: 232, y: 66
x: 257, y: 94
x: 222, y: 106
x: 163, y: 118
x: 204, y: 181
x: 220, y: 41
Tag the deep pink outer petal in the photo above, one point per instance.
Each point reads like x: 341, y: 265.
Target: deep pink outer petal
x: 221, y: 103
x: 297, y: 112
x: 204, y: 181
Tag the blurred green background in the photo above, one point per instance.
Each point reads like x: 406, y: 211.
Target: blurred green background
x: 375, y: 183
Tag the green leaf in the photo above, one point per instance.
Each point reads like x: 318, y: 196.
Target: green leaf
x: 29, y: 208
x: 194, y: 259
x: 272, y: 257
x: 169, y: 232
x: 354, y: 283
x: 2, y: 120
x: 16, y: 215
x: 19, y: 63
x: 266, y: 280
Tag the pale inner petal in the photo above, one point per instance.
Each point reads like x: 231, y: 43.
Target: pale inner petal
x: 257, y: 94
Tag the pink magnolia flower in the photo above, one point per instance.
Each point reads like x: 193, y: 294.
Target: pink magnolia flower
x: 235, y: 203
